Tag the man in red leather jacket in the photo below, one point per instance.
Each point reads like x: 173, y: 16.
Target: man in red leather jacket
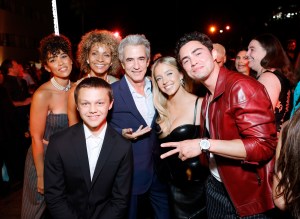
x: 238, y: 118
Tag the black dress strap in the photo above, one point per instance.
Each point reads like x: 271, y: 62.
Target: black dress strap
x: 195, y: 111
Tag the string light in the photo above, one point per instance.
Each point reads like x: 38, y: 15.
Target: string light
x: 55, y: 19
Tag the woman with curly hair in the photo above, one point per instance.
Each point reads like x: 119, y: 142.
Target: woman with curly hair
x: 97, y: 56
x: 48, y: 115
x: 286, y: 180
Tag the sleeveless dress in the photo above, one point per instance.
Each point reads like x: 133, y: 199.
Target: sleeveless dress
x: 33, y: 204
x: 284, y: 107
x: 186, y: 178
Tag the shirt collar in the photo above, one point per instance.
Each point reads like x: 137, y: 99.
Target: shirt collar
x: 147, y: 87
x: 88, y: 134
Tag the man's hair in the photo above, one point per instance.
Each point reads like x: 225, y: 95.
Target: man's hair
x: 192, y: 36
x: 134, y: 40
x: 93, y: 82
x: 53, y: 44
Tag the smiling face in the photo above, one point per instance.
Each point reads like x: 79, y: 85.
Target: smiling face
x: 135, y: 63
x: 93, y: 106
x: 167, y: 78
x: 242, y: 62
x: 197, y: 60
x: 60, y: 64
x: 255, y: 54
x: 99, y: 59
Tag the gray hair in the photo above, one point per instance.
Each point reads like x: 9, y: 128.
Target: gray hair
x: 135, y: 40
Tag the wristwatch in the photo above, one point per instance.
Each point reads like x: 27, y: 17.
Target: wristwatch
x: 204, y: 145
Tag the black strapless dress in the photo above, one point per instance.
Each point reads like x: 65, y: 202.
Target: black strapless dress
x: 182, y: 172
x: 186, y: 178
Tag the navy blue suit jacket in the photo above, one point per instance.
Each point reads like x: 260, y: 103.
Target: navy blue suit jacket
x: 125, y: 114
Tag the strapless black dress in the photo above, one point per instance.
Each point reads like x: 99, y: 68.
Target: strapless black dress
x: 188, y: 171
x: 186, y: 178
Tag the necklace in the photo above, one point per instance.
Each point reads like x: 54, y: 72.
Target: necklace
x: 58, y: 86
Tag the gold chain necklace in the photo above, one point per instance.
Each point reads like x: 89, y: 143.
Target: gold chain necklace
x: 58, y: 86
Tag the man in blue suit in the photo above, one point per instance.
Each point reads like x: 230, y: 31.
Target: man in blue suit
x: 133, y: 116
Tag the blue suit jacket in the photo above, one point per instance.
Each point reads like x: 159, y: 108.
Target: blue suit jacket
x: 125, y: 114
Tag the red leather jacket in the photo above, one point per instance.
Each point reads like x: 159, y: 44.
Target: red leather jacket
x: 241, y: 109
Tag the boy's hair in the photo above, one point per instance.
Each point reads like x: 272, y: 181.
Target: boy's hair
x: 93, y: 82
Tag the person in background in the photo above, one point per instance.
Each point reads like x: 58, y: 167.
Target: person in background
x: 97, y: 56
x: 9, y: 148
x: 296, y: 92
x: 221, y: 54
x: 48, y: 115
x: 133, y: 115
x: 292, y: 51
x: 89, y: 166
x: 156, y: 56
x: 238, y: 134
x: 242, y: 63
x: 24, y: 73
x: 16, y: 86
x: 19, y: 94
x: 286, y: 180
x: 177, y: 122
x: 267, y: 57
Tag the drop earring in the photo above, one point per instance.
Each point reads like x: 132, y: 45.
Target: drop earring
x: 88, y: 61
x: 182, y: 83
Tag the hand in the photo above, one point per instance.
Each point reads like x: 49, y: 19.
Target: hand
x: 127, y: 133
x: 185, y: 149
x: 40, y: 185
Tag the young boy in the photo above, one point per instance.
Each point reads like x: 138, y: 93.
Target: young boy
x: 89, y: 166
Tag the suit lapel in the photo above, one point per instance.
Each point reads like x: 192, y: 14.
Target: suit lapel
x: 79, y: 143
x: 106, y: 149
x: 128, y: 100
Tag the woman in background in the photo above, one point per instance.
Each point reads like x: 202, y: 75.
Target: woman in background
x: 286, y: 180
x: 242, y: 63
x: 268, y: 58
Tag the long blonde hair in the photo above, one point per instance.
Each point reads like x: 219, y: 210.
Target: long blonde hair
x: 160, y: 99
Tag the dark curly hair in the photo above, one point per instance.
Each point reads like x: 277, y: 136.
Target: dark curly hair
x: 102, y: 37
x: 192, y: 36
x: 53, y: 44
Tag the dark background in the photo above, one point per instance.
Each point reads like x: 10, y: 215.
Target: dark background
x: 164, y: 21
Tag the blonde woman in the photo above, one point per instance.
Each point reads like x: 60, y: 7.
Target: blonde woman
x: 179, y: 119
